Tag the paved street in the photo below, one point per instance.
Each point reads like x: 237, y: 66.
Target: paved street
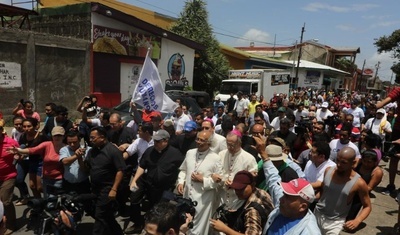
x: 380, y: 222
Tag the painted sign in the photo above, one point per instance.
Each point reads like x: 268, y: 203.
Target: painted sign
x: 176, y: 70
x: 10, y: 75
x: 245, y: 74
x: 114, y: 41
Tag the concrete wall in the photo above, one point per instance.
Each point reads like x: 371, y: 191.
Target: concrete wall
x: 53, y: 69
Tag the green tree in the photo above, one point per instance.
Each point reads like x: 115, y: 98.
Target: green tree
x: 346, y: 65
x: 391, y: 44
x: 210, y: 65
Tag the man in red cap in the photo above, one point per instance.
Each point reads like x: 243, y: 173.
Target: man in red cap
x: 291, y: 215
x: 252, y: 216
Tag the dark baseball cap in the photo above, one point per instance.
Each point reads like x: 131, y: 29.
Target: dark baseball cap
x: 242, y: 179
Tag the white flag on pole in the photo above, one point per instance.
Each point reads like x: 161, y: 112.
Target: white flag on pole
x: 149, y: 92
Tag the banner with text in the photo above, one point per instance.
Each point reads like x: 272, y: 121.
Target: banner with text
x: 149, y: 91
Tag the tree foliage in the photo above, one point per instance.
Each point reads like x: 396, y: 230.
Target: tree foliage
x: 210, y: 65
x: 391, y: 44
x: 346, y: 65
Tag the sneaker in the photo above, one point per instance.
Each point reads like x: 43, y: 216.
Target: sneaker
x: 8, y: 232
x: 389, y: 189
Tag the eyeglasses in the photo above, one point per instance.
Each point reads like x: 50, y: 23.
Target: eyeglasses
x: 231, y: 145
x: 158, y: 141
x: 201, y: 140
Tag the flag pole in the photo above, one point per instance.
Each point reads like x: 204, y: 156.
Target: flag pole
x: 147, y: 54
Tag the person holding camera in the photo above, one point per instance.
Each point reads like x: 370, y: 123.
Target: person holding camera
x: 252, y: 216
x: 291, y: 215
x: 166, y: 219
x: 195, y: 181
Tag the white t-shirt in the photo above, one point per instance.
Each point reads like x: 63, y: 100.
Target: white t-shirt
x: 321, y: 116
x: 139, y: 146
x: 375, y: 127
x: 314, y: 173
x: 358, y: 114
x: 298, y: 114
x: 336, y: 146
x: 179, y: 122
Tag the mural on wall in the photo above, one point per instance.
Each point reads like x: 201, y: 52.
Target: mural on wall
x: 176, y: 70
x: 114, y: 41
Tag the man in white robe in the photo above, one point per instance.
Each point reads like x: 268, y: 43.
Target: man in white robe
x: 195, y: 182
x: 218, y: 142
x: 233, y: 160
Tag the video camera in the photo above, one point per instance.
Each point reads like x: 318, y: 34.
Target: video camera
x: 303, y: 126
x: 183, y: 205
x: 57, y: 214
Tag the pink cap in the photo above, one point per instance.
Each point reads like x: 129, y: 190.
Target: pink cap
x: 299, y: 187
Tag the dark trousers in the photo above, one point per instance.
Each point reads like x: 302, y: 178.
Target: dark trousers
x: 80, y: 188
x: 152, y: 194
x: 105, y: 222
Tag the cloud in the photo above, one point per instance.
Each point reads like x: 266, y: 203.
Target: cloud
x: 384, y: 24
x: 260, y: 38
x: 345, y: 27
x: 386, y: 61
x: 316, y: 6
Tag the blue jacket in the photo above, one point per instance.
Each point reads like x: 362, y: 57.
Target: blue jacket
x: 308, y: 224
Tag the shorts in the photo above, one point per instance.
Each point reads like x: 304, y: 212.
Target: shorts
x: 329, y: 226
x: 35, y: 167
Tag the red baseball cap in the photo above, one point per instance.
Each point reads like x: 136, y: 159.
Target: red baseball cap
x: 299, y: 187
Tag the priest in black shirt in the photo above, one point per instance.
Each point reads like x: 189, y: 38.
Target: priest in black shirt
x: 106, y: 166
x: 162, y: 163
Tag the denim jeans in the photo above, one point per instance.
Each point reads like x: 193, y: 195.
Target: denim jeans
x: 49, y: 185
x: 22, y: 171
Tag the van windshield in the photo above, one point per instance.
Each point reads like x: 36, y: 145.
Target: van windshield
x: 233, y: 87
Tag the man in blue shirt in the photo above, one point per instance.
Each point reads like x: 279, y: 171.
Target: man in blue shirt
x: 292, y: 200
x: 72, y: 156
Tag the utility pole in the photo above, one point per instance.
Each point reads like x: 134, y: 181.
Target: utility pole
x: 359, y: 86
x: 376, y: 72
x: 296, y: 78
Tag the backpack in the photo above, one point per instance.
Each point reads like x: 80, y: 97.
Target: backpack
x: 239, y: 226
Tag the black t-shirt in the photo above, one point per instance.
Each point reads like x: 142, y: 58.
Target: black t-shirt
x: 25, y: 143
x: 184, y: 144
x: 104, y: 163
x: 124, y: 136
x: 67, y: 125
x: 162, y: 168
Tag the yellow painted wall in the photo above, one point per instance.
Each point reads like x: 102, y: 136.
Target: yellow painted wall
x: 143, y: 14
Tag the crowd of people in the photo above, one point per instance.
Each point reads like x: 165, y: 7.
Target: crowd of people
x: 300, y: 163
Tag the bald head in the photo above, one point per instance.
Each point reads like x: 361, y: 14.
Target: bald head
x: 257, y: 129
x: 204, y: 135
x: 347, y: 153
